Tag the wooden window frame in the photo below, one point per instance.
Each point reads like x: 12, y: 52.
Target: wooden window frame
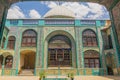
x: 29, y: 40
x: 89, y: 38
x: 11, y: 42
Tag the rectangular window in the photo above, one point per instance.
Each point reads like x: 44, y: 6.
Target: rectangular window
x: 30, y: 22
x: 14, y: 22
x: 88, y: 22
x: 92, y: 63
x: 59, y: 22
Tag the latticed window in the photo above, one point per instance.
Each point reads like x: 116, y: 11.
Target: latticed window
x: 29, y: 38
x: 8, y: 61
x: 58, y: 22
x: 30, y: 22
x: 1, y: 61
x: 91, y: 59
x: 11, y: 42
x: 59, y: 52
x: 89, y: 38
x: 88, y: 22
x: 14, y: 22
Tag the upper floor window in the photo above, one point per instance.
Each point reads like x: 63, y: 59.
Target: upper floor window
x: 89, y: 38
x: 88, y: 22
x: 30, y: 22
x: 14, y: 22
x: 59, y: 22
x: 11, y: 42
x: 29, y: 38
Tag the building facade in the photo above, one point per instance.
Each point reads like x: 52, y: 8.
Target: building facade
x: 58, y: 44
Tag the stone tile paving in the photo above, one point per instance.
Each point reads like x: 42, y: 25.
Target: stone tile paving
x: 76, y: 77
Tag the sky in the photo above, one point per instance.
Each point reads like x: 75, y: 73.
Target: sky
x: 37, y: 10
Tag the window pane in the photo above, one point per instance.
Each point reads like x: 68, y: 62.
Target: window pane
x: 33, y: 40
x: 91, y: 60
x: 24, y: 40
x: 28, y: 40
x: 86, y: 60
x: 96, y: 60
x: 97, y: 65
x: 87, y: 65
x: 92, y: 65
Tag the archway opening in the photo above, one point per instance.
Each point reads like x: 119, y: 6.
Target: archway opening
x: 8, y: 61
x: 1, y: 60
x: 110, y: 62
x: 27, y: 60
x: 59, y: 51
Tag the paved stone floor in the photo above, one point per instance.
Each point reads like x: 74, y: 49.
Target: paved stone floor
x: 76, y: 78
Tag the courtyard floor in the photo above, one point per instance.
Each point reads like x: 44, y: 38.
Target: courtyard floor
x: 76, y: 77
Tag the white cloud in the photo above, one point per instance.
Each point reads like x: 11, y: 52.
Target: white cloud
x: 34, y: 14
x: 50, y: 4
x: 15, y: 13
x: 81, y: 10
x: 96, y: 9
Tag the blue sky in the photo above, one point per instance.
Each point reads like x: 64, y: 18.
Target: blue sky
x: 37, y: 9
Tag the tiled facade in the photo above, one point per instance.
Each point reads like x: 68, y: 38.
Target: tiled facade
x: 44, y: 33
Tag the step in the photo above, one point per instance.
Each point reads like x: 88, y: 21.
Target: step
x: 26, y: 73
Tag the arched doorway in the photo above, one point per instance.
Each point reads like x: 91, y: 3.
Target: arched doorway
x: 8, y: 61
x: 110, y: 63
x: 59, y: 51
x: 1, y: 61
x: 27, y: 60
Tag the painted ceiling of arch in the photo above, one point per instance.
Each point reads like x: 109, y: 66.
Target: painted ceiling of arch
x: 106, y: 3
x: 79, y: 10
